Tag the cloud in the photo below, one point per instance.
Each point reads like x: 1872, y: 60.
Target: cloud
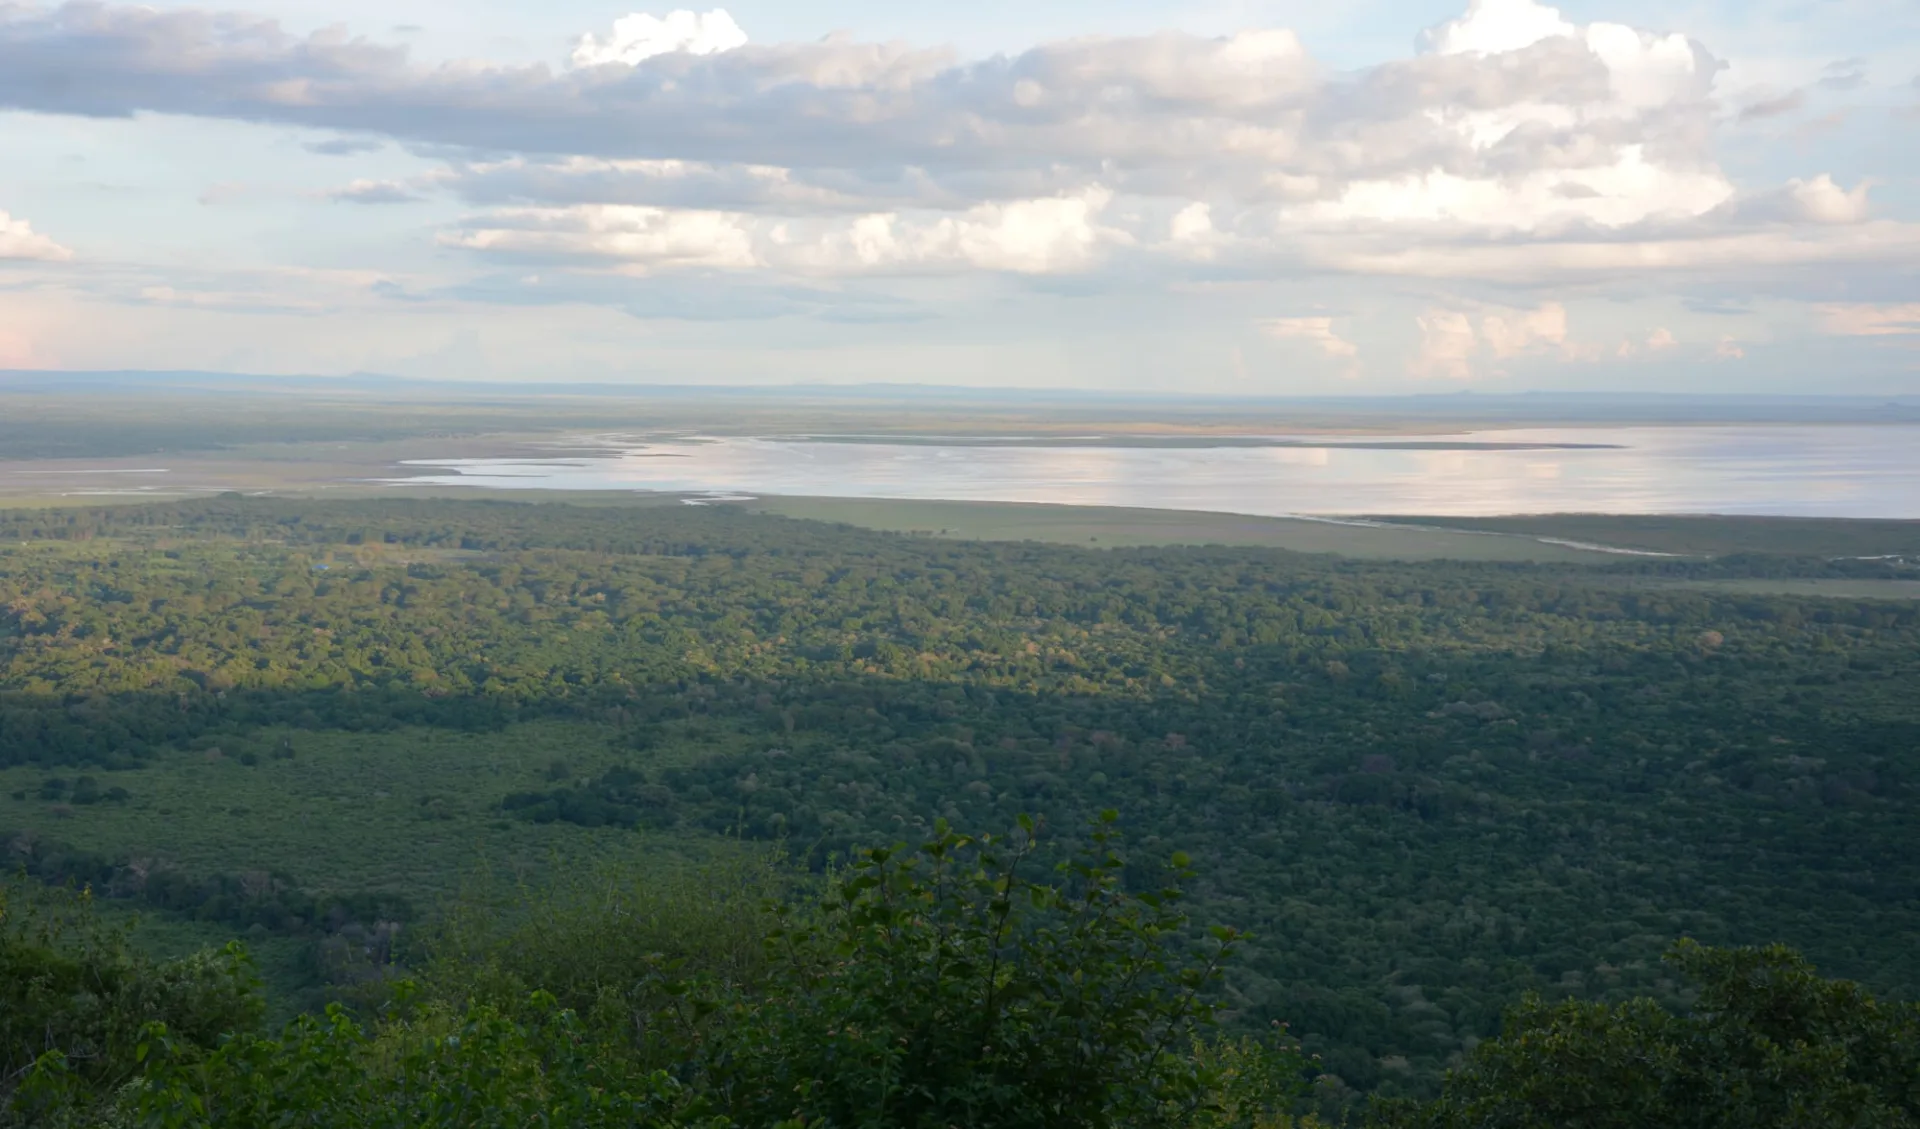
x: 1447, y: 345
x: 1729, y: 350
x: 1316, y: 331
x: 1774, y: 107
x: 642, y: 238
x: 1820, y: 200
x: 1518, y: 148
x: 1250, y: 115
x: 374, y: 192
x: 1844, y: 74
x: 1040, y: 236
x: 1451, y: 345
x: 1497, y: 26
x: 345, y: 146
x: 690, y: 184
x: 18, y: 240
x: 1659, y: 341
x: 1511, y: 335
x: 1743, y: 257
x: 1023, y: 237
x: 1864, y: 320
x: 639, y: 37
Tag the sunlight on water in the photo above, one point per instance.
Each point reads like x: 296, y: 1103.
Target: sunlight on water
x: 1857, y: 471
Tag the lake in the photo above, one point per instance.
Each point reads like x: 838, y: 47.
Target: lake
x: 1832, y: 471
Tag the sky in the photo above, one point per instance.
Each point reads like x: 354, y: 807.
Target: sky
x: 1219, y: 197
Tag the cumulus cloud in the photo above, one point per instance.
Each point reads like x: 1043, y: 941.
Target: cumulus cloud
x: 1447, y: 345
x: 1510, y: 335
x: 1659, y: 341
x: 1162, y: 112
x: 1820, y: 200
x: 691, y: 184
x: 642, y: 238
x: 639, y: 37
x: 1453, y: 346
x: 1021, y: 237
x: 1729, y: 350
x: 1316, y: 331
x: 1517, y: 146
x: 18, y: 240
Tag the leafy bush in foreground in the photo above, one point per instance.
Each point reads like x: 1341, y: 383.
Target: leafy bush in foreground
x: 73, y: 990
x: 935, y: 987
x: 1767, y: 1043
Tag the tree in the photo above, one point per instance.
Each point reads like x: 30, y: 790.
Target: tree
x: 1767, y: 1043
x: 948, y: 986
x: 75, y: 997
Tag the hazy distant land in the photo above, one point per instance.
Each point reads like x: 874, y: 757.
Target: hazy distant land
x: 113, y: 438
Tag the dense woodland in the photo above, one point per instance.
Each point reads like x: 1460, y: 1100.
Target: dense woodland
x: 1423, y: 791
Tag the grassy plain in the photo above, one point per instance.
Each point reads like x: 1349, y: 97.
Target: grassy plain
x: 1703, y: 534
x: 1121, y: 527
x: 412, y: 811
x: 1821, y: 587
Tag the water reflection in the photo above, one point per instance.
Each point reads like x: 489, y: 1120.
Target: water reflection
x: 1842, y: 471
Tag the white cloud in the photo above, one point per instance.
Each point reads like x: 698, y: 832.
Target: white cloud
x: 1510, y: 335
x: 18, y: 240
x: 639, y: 37
x: 643, y: 238
x: 1447, y: 345
x: 1025, y: 237
x: 1451, y: 345
x: 1192, y: 224
x: 1659, y: 341
x: 1868, y: 320
x: 1021, y: 237
x: 1315, y: 330
x: 1729, y: 350
x: 1823, y: 201
x: 1737, y: 257
x: 1496, y: 26
x: 1519, y: 148
x: 1629, y: 190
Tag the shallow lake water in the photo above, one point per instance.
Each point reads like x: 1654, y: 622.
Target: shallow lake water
x: 1835, y: 471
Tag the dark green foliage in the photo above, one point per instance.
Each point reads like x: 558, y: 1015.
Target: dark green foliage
x: 425, y: 1070
x: 948, y: 986
x: 266, y: 900
x: 1425, y: 789
x: 74, y: 990
x: 608, y: 943
x: 1766, y: 1043
x: 933, y: 988
x: 618, y: 797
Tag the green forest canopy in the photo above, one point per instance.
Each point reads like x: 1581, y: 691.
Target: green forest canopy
x: 1423, y: 790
